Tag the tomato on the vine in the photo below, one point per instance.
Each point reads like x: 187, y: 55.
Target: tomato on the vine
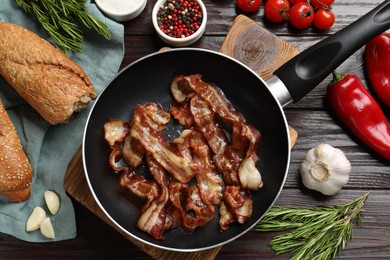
x: 321, y: 4
x: 248, y: 5
x: 301, y: 15
x: 277, y: 10
x: 324, y: 19
x: 293, y: 2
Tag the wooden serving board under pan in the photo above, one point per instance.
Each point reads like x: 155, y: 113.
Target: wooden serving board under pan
x: 249, y: 43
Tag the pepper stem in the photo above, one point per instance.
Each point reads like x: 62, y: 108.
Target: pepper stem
x: 337, y: 77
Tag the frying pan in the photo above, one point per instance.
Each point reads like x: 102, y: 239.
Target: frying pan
x: 148, y: 80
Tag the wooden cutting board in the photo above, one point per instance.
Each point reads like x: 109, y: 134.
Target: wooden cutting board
x: 249, y: 43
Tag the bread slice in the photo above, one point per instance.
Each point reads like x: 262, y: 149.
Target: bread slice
x: 15, y: 169
x: 45, y: 77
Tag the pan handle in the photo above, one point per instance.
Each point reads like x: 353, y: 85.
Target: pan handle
x: 306, y: 70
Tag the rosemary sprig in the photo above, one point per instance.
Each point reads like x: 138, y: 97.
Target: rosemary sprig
x: 60, y: 19
x: 319, y: 232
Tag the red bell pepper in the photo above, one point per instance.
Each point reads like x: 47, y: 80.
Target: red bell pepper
x: 377, y: 60
x: 360, y: 112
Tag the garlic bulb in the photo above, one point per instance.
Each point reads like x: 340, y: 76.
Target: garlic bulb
x: 325, y: 169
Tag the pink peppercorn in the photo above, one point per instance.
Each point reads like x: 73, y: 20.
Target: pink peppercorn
x: 179, y: 18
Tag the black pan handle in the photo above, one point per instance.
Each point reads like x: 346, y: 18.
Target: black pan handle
x: 305, y: 71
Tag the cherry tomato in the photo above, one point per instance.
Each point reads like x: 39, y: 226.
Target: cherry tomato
x: 301, y: 15
x: 277, y: 10
x: 324, y: 4
x: 248, y: 5
x: 323, y: 19
x: 293, y: 2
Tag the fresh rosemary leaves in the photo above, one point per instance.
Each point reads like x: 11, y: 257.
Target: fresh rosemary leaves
x: 60, y: 19
x: 320, y: 232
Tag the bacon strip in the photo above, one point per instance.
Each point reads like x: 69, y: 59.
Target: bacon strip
x: 182, y: 113
x: 133, y: 151
x: 204, y: 119
x: 144, y: 129
x: 138, y: 185
x: 187, y: 200
x: 152, y: 218
x: 115, y: 131
x: 208, y: 179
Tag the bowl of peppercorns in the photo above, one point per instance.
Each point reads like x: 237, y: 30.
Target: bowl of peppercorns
x: 179, y: 22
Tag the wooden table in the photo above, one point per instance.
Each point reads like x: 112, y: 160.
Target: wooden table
x: 311, y: 117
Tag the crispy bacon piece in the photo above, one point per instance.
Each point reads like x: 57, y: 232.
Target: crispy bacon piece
x: 198, y: 213
x: 187, y: 200
x: 138, y: 185
x: 244, y: 212
x: 237, y: 206
x: 182, y: 113
x: 214, y: 97
x: 115, y: 156
x: 180, y: 89
x: 153, y: 218
x: 115, y: 131
x: 249, y: 175
x: 144, y: 129
x: 208, y: 179
x: 204, y: 118
x: 133, y: 151
x: 225, y: 217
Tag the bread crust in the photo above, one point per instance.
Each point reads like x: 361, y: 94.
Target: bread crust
x: 15, y: 169
x: 45, y: 77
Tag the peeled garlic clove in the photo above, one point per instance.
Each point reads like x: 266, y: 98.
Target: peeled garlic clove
x: 35, y: 219
x: 52, y: 201
x: 47, y: 228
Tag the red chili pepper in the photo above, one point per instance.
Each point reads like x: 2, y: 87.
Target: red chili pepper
x: 377, y: 59
x: 360, y: 112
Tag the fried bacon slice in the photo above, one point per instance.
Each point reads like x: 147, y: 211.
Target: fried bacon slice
x: 187, y: 200
x: 237, y: 205
x: 115, y: 131
x: 209, y: 180
x: 140, y: 186
x: 133, y: 151
x: 181, y: 112
x: 153, y: 218
x: 205, y: 120
x: 143, y: 128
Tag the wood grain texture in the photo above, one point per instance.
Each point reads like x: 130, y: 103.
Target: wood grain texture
x: 256, y: 47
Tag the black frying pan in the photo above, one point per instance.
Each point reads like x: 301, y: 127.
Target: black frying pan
x: 148, y: 80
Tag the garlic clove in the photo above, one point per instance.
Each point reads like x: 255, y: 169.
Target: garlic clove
x: 325, y: 169
x: 52, y: 201
x: 47, y: 228
x: 35, y: 219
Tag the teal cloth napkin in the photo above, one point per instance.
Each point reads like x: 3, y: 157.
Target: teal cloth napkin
x: 50, y: 148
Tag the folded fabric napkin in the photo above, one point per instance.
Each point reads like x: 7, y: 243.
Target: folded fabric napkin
x: 50, y: 148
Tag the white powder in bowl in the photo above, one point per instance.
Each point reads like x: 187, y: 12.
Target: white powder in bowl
x: 120, y: 6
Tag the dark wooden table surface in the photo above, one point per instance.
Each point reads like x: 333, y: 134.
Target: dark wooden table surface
x: 311, y: 117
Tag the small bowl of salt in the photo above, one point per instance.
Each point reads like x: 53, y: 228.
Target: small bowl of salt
x: 121, y: 10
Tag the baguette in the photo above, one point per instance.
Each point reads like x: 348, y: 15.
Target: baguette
x: 45, y: 77
x: 15, y: 169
